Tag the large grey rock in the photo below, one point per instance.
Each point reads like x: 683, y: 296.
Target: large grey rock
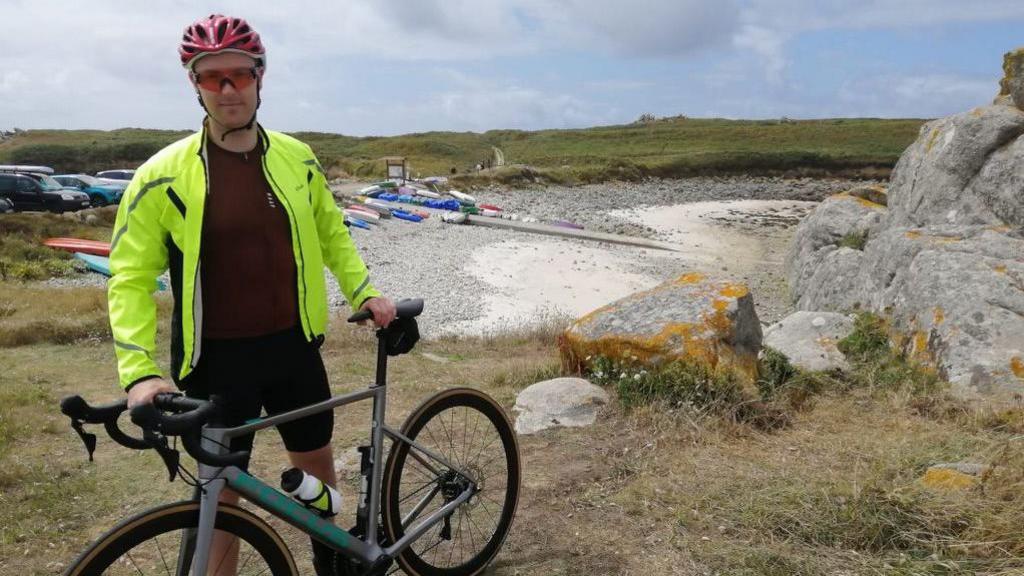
x: 945, y: 259
x: 936, y: 180
x: 818, y: 237
x: 809, y: 339
x: 569, y: 402
x: 692, y: 318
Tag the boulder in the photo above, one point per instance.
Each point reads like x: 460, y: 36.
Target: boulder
x: 559, y: 402
x: 944, y: 259
x: 840, y: 219
x: 692, y: 318
x: 944, y: 176
x: 1011, y: 87
x: 809, y: 339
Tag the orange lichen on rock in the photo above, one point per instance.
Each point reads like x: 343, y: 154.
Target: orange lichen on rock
x: 1017, y: 367
x: 1000, y: 268
x: 916, y: 234
x: 703, y: 337
x: 947, y: 479
x: 734, y: 291
x: 938, y: 315
x: 862, y: 201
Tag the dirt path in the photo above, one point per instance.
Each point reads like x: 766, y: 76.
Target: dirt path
x: 499, y: 156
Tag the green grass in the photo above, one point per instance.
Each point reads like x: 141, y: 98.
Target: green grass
x: 667, y: 148
x: 854, y: 240
x: 24, y: 257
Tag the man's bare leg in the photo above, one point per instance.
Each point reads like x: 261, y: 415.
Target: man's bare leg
x: 224, y: 549
x: 319, y: 463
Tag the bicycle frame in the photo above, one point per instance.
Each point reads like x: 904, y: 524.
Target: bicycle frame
x: 370, y: 551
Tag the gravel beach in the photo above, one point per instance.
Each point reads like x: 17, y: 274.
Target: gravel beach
x: 481, y: 280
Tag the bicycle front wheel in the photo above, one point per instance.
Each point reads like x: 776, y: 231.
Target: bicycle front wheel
x: 152, y: 542
x: 470, y: 430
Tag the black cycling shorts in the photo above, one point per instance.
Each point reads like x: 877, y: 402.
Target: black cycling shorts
x: 277, y: 372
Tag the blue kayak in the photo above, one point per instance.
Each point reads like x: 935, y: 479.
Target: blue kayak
x: 101, y: 264
x: 95, y: 263
x: 402, y: 214
x: 357, y: 222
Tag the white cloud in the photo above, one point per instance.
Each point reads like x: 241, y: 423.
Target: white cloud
x: 920, y: 96
x: 803, y: 15
x: 113, y: 63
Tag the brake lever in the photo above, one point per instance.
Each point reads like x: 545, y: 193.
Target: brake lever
x: 169, y: 455
x: 88, y: 438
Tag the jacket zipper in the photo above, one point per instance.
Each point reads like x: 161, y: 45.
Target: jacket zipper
x: 295, y: 229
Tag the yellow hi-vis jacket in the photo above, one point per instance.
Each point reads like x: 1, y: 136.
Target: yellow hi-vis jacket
x: 159, y: 226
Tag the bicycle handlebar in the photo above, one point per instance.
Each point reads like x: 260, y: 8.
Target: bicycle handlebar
x: 78, y: 409
x: 188, y: 416
x: 186, y: 419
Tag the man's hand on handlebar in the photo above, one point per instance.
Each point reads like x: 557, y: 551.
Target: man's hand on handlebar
x: 383, y: 310
x: 143, y: 392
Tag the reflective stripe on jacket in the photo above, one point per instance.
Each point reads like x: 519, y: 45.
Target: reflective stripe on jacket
x: 159, y: 227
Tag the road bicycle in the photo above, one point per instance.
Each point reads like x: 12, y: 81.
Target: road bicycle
x: 441, y: 504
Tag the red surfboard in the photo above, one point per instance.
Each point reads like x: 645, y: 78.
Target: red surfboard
x: 79, y: 245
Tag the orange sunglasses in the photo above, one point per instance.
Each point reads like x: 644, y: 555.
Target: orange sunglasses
x: 213, y: 80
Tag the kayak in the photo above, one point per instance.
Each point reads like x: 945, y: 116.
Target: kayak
x: 426, y: 193
x: 101, y: 264
x: 79, y: 245
x: 95, y: 263
x: 403, y: 215
x: 462, y: 196
x: 362, y: 216
x: 490, y: 207
x: 370, y: 213
x: 382, y: 211
x: 369, y: 189
x: 491, y: 213
x: 455, y: 217
x: 356, y: 222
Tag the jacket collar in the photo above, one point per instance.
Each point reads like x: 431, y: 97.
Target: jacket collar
x: 200, y: 145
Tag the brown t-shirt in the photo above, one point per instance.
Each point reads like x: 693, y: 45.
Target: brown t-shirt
x: 248, y: 267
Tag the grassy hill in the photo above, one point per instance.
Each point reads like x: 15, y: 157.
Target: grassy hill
x: 669, y: 147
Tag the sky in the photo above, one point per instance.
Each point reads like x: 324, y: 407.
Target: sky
x: 386, y: 67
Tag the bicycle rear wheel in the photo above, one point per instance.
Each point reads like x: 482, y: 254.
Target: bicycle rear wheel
x: 470, y: 430
x: 150, y: 543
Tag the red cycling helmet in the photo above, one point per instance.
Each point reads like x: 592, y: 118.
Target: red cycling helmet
x: 216, y: 34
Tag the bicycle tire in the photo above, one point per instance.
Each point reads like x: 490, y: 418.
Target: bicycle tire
x: 434, y: 410
x: 105, y: 552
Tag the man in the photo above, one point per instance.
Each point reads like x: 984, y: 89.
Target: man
x: 245, y: 221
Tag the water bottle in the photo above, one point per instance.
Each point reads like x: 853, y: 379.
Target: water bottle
x: 311, y: 492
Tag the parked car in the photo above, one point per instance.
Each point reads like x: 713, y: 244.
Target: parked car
x: 100, y: 194
x: 40, y: 192
x: 123, y: 174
